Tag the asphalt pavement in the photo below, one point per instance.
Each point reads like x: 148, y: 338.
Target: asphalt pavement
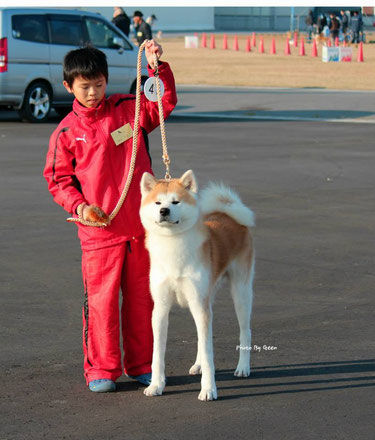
x: 311, y: 185
x: 284, y: 104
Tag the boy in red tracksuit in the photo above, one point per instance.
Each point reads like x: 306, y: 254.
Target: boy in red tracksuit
x: 87, y: 169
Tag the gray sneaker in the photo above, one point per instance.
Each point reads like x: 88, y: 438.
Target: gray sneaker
x: 144, y: 379
x: 102, y: 386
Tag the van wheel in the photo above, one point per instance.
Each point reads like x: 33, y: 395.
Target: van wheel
x: 37, y: 103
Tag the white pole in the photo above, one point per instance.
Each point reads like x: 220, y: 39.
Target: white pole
x: 292, y: 19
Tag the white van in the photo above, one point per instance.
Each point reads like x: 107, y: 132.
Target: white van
x: 33, y: 43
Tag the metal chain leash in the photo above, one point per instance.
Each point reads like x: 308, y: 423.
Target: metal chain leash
x: 165, y: 156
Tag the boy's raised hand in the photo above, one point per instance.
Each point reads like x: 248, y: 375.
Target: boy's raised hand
x: 151, y: 48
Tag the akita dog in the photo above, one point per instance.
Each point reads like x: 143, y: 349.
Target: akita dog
x: 193, y: 242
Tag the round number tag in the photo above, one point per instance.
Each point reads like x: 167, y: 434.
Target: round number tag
x: 150, y: 89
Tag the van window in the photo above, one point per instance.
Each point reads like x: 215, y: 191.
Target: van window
x: 101, y: 35
x: 67, y: 32
x: 30, y: 28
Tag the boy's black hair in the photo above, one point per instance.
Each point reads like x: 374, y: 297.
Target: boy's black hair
x: 88, y: 62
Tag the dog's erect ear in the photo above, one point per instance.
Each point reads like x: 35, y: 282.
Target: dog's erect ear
x: 147, y: 183
x: 189, y: 181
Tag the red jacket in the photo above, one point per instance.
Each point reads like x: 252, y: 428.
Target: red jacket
x: 85, y: 165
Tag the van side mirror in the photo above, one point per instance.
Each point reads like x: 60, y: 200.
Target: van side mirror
x: 118, y: 43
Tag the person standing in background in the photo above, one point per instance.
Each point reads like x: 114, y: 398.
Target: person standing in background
x: 309, y: 20
x: 356, y: 25
x: 321, y: 23
x: 151, y: 19
x: 344, y: 23
x: 334, y: 27
x: 121, y: 20
x: 361, y: 33
x: 143, y: 29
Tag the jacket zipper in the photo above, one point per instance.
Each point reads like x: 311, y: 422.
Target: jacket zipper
x: 104, y: 141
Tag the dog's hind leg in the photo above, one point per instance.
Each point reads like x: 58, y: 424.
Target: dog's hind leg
x: 196, y: 368
x: 162, y: 305
x: 201, y: 309
x: 242, y: 294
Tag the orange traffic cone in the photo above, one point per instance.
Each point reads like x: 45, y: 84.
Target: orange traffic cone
x: 295, y: 40
x: 360, y: 53
x: 225, y: 42
x: 248, y: 45
x: 302, y: 47
x: 253, y: 40
x: 204, y: 40
x: 314, y: 52
x: 273, y: 47
x: 261, y: 45
x: 344, y: 43
x: 287, y: 47
x: 337, y: 42
x: 212, y: 43
x: 235, y: 44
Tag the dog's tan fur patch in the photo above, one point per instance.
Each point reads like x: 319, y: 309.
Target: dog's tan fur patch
x: 226, y: 241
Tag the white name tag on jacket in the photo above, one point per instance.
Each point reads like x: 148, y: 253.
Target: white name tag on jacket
x: 122, y: 134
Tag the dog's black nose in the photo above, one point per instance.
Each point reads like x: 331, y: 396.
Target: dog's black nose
x: 165, y: 211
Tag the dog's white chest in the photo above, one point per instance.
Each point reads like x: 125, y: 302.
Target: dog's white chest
x: 176, y: 266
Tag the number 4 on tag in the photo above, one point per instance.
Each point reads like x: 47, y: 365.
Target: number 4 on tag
x: 150, y: 89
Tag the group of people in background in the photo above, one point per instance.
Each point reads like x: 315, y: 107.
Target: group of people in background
x: 141, y: 28
x: 347, y: 27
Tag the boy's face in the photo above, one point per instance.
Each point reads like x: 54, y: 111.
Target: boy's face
x: 89, y: 92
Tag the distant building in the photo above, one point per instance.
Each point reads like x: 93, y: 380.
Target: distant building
x: 265, y: 19
x: 260, y: 18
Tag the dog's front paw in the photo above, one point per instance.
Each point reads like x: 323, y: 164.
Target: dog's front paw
x: 154, y: 390
x: 242, y: 371
x: 195, y: 369
x: 207, y: 394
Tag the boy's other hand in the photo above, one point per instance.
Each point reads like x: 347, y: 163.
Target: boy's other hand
x: 93, y: 213
x: 151, y: 48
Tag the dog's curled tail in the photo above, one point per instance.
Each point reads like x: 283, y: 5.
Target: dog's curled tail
x: 220, y: 198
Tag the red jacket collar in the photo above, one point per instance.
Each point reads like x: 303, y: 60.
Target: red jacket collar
x: 87, y: 112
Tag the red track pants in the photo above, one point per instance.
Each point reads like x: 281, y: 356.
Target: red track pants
x: 105, y: 271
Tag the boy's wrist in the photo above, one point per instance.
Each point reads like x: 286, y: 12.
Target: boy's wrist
x: 75, y: 206
x: 152, y: 70
x: 80, y: 208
